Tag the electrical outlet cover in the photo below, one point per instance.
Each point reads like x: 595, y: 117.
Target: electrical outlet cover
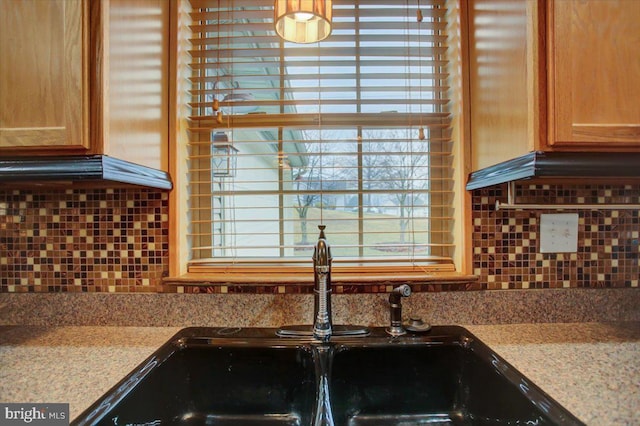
x: 559, y: 233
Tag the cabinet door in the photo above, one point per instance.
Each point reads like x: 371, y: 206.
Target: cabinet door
x: 43, y: 76
x: 594, y: 74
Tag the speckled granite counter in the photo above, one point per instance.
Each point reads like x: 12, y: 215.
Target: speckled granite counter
x: 593, y: 369
x: 272, y: 310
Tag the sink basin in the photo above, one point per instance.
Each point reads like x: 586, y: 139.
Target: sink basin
x: 456, y: 381
x: 214, y: 381
x: 221, y: 376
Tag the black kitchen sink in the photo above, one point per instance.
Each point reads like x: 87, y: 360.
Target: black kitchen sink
x: 458, y: 382
x: 221, y: 376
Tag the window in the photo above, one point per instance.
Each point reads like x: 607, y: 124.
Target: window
x: 352, y: 132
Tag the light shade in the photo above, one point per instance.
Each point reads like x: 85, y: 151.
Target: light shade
x: 303, y: 21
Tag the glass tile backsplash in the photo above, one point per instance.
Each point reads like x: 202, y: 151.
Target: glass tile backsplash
x: 116, y: 240
x: 102, y: 240
x: 506, y: 243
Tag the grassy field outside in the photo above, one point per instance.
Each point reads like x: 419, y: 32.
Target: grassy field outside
x: 381, y: 232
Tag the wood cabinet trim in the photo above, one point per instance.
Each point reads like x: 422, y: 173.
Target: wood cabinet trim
x: 99, y: 87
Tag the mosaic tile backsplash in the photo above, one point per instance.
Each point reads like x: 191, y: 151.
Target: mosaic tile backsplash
x: 116, y: 240
x: 506, y: 243
x: 99, y: 240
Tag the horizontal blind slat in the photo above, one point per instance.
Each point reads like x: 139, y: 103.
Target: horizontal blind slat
x: 390, y: 119
x: 266, y: 13
x: 334, y: 76
x: 348, y: 51
x: 337, y: 4
x: 337, y: 26
x: 266, y: 38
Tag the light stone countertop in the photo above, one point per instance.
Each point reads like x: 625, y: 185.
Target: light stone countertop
x: 592, y: 369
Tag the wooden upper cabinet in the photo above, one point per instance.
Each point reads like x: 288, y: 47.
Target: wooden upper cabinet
x: 84, y: 77
x: 594, y: 73
x: 43, y: 74
x: 551, y: 75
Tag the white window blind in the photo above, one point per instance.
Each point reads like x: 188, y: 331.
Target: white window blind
x: 352, y: 132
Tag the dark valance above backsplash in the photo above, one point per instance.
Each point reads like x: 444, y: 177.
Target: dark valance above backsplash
x: 559, y: 165
x: 94, y: 169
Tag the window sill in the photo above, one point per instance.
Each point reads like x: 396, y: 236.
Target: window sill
x: 269, y: 283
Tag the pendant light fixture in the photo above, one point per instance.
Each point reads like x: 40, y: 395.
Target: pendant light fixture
x: 303, y: 21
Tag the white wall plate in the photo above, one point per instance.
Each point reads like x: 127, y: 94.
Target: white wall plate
x: 559, y: 233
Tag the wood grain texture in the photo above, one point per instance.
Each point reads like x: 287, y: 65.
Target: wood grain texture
x: 595, y: 69
x: 98, y: 72
x: 178, y: 124
x: 457, y: 29
x: 138, y: 88
x: 85, y: 77
x: 551, y: 75
x: 505, y: 89
x: 43, y: 74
